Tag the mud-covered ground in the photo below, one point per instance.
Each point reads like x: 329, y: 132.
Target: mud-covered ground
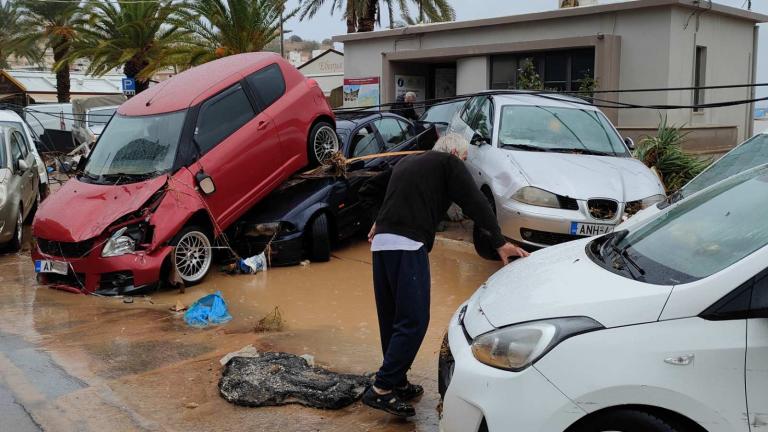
x: 82, y: 363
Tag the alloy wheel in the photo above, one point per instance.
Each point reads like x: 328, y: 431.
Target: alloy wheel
x: 326, y: 143
x: 192, y: 256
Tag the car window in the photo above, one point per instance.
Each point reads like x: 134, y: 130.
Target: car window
x: 704, y: 234
x: 760, y: 294
x: 470, y: 109
x: 408, y: 129
x: 16, y: 152
x: 442, y: 112
x: 750, y: 154
x: 364, y: 142
x: 100, y: 116
x: 391, y: 132
x: 268, y: 83
x: 22, y: 142
x: 221, y: 116
x: 483, y: 121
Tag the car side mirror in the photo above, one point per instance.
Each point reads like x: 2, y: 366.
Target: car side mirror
x: 629, y: 142
x: 22, y: 165
x: 205, y: 182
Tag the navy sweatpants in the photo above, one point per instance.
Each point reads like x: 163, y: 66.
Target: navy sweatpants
x: 401, y: 283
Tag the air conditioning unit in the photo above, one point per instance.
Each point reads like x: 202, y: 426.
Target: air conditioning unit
x: 575, y: 3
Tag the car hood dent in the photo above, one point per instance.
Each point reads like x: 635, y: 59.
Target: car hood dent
x: 585, y: 176
x: 563, y: 281
x: 81, y: 211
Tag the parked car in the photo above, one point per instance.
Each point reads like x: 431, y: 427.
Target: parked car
x: 57, y: 116
x: 658, y: 328
x: 305, y: 218
x: 553, y: 168
x: 178, y: 164
x: 441, y: 114
x: 32, y: 141
x: 19, y: 185
x: 747, y: 155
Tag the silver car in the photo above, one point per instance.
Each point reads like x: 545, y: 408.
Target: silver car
x: 19, y: 186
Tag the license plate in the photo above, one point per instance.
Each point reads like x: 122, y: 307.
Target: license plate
x: 588, y: 229
x: 47, y: 266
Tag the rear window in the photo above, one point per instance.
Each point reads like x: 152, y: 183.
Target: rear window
x: 221, y: 116
x: 268, y: 84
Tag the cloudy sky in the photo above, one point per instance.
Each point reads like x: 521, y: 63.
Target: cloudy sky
x: 324, y: 24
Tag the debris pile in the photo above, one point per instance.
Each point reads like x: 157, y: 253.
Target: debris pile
x: 272, y: 322
x: 281, y: 378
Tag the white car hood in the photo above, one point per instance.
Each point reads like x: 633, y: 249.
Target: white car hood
x: 562, y: 281
x: 584, y: 176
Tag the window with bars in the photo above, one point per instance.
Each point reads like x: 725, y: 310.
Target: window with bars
x: 559, y: 70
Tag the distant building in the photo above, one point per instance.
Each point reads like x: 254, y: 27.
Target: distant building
x: 25, y: 87
x: 626, y: 45
x: 327, y: 69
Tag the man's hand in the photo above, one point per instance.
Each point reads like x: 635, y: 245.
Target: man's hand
x: 509, y: 250
x: 372, y: 233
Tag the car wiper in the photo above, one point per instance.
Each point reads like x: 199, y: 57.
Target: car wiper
x: 622, y: 254
x: 524, y: 147
x: 91, y: 177
x: 580, y: 151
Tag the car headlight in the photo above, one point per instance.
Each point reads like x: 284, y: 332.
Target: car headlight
x: 518, y: 346
x: 535, y: 196
x: 118, y: 244
x: 633, y: 207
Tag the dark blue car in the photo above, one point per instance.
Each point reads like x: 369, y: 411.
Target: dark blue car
x: 306, y: 217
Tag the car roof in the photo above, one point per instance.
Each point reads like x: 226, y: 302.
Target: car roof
x: 520, y: 97
x: 196, y: 84
x: 10, y: 115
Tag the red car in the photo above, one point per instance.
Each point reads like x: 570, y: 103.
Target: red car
x: 174, y: 167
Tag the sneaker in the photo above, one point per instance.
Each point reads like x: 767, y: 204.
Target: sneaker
x: 409, y: 391
x: 388, y: 402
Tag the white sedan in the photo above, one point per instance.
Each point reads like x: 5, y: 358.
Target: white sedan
x: 554, y: 168
x: 659, y: 328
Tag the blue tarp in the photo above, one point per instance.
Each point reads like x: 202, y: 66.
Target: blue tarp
x: 211, y: 309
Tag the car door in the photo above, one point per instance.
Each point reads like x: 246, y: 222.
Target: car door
x: 27, y: 176
x: 757, y: 356
x: 394, y: 136
x: 240, y: 151
x: 481, y: 150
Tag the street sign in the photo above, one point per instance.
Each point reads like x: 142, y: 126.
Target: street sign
x: 129, y: 86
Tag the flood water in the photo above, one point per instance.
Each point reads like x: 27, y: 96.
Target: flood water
x: 83, y: 363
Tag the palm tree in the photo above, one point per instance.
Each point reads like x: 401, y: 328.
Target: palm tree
x: 226, y: 27
x: 362, y: 15
x: 10, y: 42
x: 427, y: 11
x: 50, y: 24
x: 140, y: 37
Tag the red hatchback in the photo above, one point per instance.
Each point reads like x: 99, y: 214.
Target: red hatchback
x: 174, y: 167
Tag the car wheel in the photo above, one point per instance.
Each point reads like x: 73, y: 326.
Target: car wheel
x: 18, y: 233
x: 626, y: 421
x: 323, y: 143
x: 319, y: 239
x: 192, y: 254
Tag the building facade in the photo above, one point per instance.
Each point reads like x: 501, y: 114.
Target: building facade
x: 629, y: 45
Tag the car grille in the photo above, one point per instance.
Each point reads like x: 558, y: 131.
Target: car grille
x: 604, y: 209
x: 567, y: 203
x: 65, y: 249
x: 546, y: 238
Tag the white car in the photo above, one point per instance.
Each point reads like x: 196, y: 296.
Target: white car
x: 747, y: 155
x: 554, y: 168
x: 12, y: 119
x: 57, y: 116
x: 659, y: 328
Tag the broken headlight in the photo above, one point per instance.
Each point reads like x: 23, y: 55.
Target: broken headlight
x: 123, y: 241
x: 518, y: 346
x: 537, y: 197
x: 633, y: 207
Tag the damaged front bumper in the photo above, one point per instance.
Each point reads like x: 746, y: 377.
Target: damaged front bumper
x: 91, y: 273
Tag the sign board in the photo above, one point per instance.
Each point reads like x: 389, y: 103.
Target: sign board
x: 410, y: 83
x: 129, y: 86
x: 361, y: 92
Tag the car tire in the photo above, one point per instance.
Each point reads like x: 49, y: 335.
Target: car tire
x: 322, y: 143
x: 192, y: 255
x: 319, y: 239
x: 627, y: 420
x: 18, y: 233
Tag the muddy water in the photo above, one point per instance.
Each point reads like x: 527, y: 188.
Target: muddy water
x: 87, y: 363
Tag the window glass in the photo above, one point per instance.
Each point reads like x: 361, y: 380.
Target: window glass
x: 3, y: 155
x: 16, y: 152
x: 470, y: 109
x: 391, y: 132
x: 700, y: 76
x: 408, y: 129
x: 559, y: 129
x: 222, y: 116
x: 268, y: 83
x: 748, y: 155
x: 442, y: 112
x: 100, y: 116
x: 483, y: 123
x: 760, y: 294
x: 364, y: 142
x: 22, y: 142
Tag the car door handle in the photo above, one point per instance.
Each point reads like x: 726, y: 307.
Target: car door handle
x: 262, y: 124
x: 681, y: 360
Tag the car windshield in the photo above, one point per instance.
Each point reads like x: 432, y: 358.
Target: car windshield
x: 135, y: 147
x: 441, y: 113
x: 546, y: 128
x: 750, y: 154
x: 100, y: 116
x: 701, y: 235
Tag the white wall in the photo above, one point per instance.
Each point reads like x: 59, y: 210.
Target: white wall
x: 471, y: 74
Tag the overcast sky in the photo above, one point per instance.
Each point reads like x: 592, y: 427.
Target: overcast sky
x: 325, y: 25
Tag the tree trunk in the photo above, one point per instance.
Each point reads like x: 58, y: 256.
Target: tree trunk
x: 367, y: 22
x: 60, y: 51
x: 351, y: 17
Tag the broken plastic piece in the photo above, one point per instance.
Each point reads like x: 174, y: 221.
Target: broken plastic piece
x: 211, y: 309
x: 246, y: 351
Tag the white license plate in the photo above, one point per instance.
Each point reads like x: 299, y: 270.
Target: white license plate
x: 588, y: 229
x: 47, y: 266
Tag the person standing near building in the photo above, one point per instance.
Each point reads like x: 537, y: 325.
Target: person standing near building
x: 416, y: 195
x: 404, y: 106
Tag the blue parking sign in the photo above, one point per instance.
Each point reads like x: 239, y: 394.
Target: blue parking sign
x: 129, y: 86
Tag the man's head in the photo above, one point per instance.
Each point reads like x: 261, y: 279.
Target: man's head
x: 410, y: 97
x: 454, y: 144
